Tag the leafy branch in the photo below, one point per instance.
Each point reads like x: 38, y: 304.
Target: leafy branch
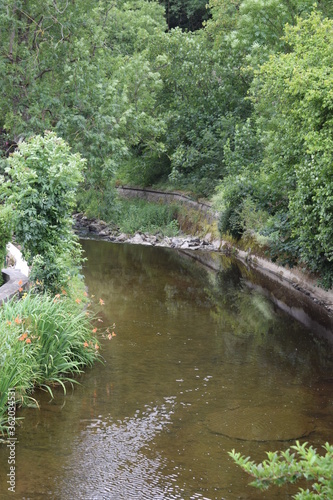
x: 287, y: 467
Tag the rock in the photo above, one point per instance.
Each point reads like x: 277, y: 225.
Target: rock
x: 194, y: 242
x: 264, y: 423
x: 94, y: 227
x: 122, y: 238
x: 137, y: 239
x: 216, y: 244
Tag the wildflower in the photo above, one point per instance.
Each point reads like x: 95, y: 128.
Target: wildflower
x: 20, y: 289
x: 23, y: 336
x: 57, y: 296
x: 86, y: 344
x: 110, y: 336
x: 113, y: 334
x: 78, y: 301
x: 17, y: 320
x: 28, y: 341
x: 64, y: 292
x: 20, y: 282
x: 101, y: 301
x: 85, y: 294
x: 96, y: 347
x: 8, y: 322
x: 94, y: 330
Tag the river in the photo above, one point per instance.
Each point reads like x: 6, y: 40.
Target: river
x: 202, y: 362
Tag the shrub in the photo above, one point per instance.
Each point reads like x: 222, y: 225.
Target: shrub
x: 43, y: 178
x: 288, y: 467
x: 229, y: 201
x: 102, y: 204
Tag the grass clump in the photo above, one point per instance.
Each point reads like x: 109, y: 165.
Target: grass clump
x: 45, y: 341
x: 139, y: 215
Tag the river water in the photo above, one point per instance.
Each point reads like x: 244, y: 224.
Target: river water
x: 202, y: 362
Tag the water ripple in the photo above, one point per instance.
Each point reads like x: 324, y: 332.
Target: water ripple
x: 109, y: 459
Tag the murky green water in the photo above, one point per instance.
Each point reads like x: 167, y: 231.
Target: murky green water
x: 202, y: 363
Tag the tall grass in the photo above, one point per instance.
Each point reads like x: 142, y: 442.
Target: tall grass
x: 44, y: 341
x: 139, y: 215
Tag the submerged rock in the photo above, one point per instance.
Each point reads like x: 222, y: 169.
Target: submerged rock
x: 263, y: 423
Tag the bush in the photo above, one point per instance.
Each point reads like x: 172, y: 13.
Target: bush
x: 288, y: 467
x: 229, y: 200
x: 43, y: 178
x: 102, y: 204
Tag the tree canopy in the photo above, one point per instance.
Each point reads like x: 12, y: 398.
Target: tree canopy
x: 234, y: 95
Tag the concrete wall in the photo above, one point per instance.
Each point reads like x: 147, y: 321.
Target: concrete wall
x: 14, y: 281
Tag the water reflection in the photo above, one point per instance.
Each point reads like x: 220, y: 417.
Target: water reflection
x: 200, y: 365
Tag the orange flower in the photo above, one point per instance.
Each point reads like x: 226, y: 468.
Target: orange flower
x: 94, y: 330
x: 85, y: 294
x: 28, y: 341
x: 101, y: 301
x: 86, y: 344
x: 113, y: 334
x: 17, y: 320
x: 64, y: 292
x: 20, y: 289
x: 8, y: 322
x: 23, y: 336
x: 96, y: 347
x: 78, y: 301
x: 57, y: 296
x: 20, y: 282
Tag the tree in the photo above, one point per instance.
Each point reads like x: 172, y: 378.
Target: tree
x: 292, y: 94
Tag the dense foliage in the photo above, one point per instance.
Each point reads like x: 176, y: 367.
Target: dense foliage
x: 234, y: 95
x: 43, y: 176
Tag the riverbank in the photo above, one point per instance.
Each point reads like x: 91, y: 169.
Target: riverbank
x: 290, y: 278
